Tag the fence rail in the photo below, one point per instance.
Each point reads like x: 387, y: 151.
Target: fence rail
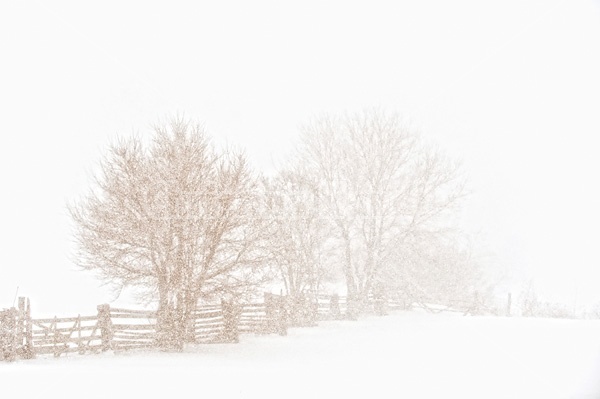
x: 121, y: 329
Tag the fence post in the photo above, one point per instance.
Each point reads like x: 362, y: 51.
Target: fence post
x: 24, y: 334
x: 508, y: 304
x: 28, y: 352
x: 269, y: 312
x: 105, y: 324
x: 230, y: 316
x: 8, y: 324
x: 281, y: 314
x: 55, y: 337
x: 20, y: 325
x: 80, y: 346
x: 275, y: 310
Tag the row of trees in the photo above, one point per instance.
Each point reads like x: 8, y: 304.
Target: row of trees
x: 363, y: 200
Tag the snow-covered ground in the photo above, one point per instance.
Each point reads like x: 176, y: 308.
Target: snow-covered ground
x: 402, y: 355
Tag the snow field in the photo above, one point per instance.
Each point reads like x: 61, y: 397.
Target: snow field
x: 404, y: 354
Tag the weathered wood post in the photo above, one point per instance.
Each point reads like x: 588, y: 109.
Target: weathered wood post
x: 105, y: 325
x: 28, y: 352
x: 508, y: 304
x: 275, y: 310
x: 297, y: 310
x: 8, y: 325
x: 24, y: 333
x: 269, y: 313
x: 281, y: 314
x: 55, y: 340
x: 230, y: 321
x: 20, y: 333
x: 80, y: 345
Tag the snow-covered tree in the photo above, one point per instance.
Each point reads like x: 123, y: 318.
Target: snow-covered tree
x: 380, y: 185
x: 298, y: 236
x: 529, y: 302
x: 175, y: 219
x: 437, y: 268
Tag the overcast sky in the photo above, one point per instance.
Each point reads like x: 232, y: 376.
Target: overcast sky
x: 512, y: 88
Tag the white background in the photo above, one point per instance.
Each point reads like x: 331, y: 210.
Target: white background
x: 512, y: 88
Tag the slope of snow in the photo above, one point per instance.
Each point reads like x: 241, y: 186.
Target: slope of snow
x: 405, y: 354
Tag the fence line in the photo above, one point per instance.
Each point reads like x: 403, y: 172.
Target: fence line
x: 121, y: 329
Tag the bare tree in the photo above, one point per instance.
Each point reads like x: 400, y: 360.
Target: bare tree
x: 175, y: 219
x: 298, y: 235
x: 429, y: 267
x: 529, y: 302
x: 380, y: 185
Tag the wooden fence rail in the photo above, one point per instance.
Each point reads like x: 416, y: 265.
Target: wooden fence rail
x: 127, y: 329
x: 70, y: 334
x: 120, y: 329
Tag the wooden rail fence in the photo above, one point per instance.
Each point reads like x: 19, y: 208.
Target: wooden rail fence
x: 118, y: 329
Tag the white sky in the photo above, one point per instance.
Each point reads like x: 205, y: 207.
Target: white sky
x: 511, y: 87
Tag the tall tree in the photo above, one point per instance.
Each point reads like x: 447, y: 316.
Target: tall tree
x: 175, y: 219
x: 380, y: 184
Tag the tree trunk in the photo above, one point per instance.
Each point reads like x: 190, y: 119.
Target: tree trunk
x: 351, y: 288
x: 169, y: 328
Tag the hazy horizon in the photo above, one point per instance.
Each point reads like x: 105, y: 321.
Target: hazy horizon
x: 511, y: 89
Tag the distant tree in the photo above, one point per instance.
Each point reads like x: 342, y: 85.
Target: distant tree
x: 528, y: 300
x: 532, y: 306
x: 557, y: 311
x: 380, y: 185
x: 437, y: 268
x: 593, y: 312
x: 175, y: 219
